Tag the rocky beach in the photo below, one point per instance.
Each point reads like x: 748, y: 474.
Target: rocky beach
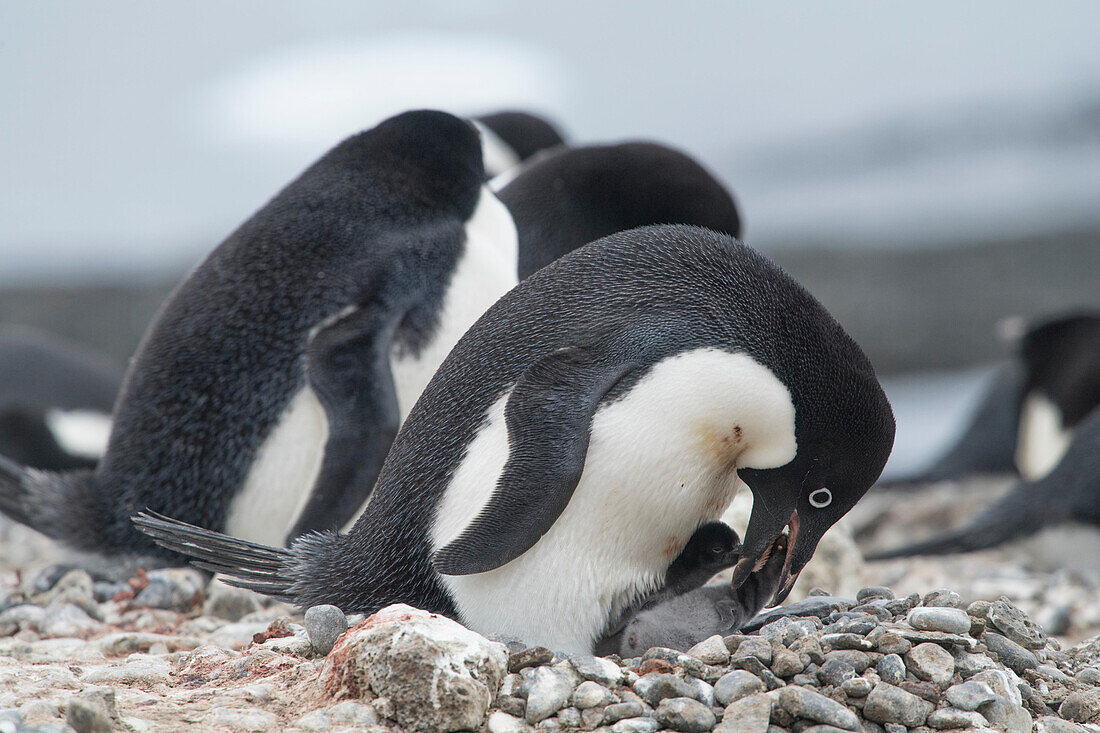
x: 999, y: 640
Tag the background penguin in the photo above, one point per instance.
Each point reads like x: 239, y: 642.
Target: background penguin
x: 55, y: 400
x: 1070, y: 492
x: 680, y: 622
x: 287, y: 358
x: 713, y: 548
x: 582, y: 430
x: 510, y: 137
x: 572, y: 196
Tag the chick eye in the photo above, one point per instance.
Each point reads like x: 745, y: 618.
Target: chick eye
x: 821, y: 498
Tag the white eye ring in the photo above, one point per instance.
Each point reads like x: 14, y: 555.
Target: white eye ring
x: 821, y: 498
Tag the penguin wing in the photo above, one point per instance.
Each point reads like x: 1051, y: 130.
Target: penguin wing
x: 349, y: 370
x: 549, y: 417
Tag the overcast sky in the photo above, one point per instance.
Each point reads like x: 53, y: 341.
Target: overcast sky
x: 135, y: 135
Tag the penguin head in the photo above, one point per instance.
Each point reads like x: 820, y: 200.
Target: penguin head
x: 1062, y: 362
x: 714, y: 545
x: 845, y: 432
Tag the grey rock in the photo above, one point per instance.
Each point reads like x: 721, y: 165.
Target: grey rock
x: 229, y: 603
x: 1050, y: 724
x: 894, y: 728
x: 1004, y: 683
x: 1089, y: 675
x: 173, y: 589
x: 891, y: 669
x: 598, y: 669
x: 569, y: 717
x: 1007, y: 716
x: 1011, y: 654
x: 1081, y: 706
x: 809, y: 705
x: 621, y: 711
x: 591, y: 718
x: 550, y: 725
x: 979, y: 609
x: 591, y: 694
x: 889, y: 704
x: 93, y: 711
x: 1014, y: 623
x: 834, y: 672
x: 891, y: 643
x: 512, y: 705
x: 324, y: 625
x: 512, y: 643
x: 786, y: 663
x: 948, y: 620
x: 931, y: 662
x: 859, y: 626
x: 636, y: 725
x: 754, y: 647
x: 700, y: 691
x: 250, y: 719
x: 105, y: 590
x: 857, y: 687
x: 859, y: 660
x: 968, y: 665
x: 969, y: 695
x: 656, y: 686
x: 548, y: 691
x: 942, y: 597
x: 873, y: 592
x: 747, y: 715
x: 736, y: 685
x: 711, y: 650
x: 845, y: 641
x: 819, y: 606
x: 947, y: 718
x: 531, y: 657
x: 685, y: 715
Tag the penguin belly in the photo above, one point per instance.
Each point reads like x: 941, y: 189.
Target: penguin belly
x: 282, y: 473
x: 661, y: 461
x: 1043, y: 438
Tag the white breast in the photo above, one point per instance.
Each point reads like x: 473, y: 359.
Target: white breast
x: 1042, y: 439
x: 497, y: 154
x: 485, y: 271
x: 282, y: 474
x: 81, y: 433
x: 661, y: 461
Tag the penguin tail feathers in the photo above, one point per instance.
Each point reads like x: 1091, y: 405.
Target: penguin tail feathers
x: 240, y: 563
x: 63, y: 506
x: 1010, y: 518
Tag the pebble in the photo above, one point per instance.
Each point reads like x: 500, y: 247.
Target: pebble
x: 229, y: 603
x: 942, y: 598
x: 969, y: 695
x: 569, y: 717
x: 874, y: 592
x: 685, y: 715
x: 636, y: 725
x: 889, y: 704
x: 173, y: 589
x: 656, y: 686
x: 548, y: 691
x: 859, y: 660
x: 711, y: 651
x: 819, y: 606
x: 1081, y: 706
x: 835, y: 671
x: 786, y: 663
x: 531, y: 657
x: 949, y: 620
x: 857, y: 687
x: 1007, y: 716
x: 600, y: 670
x: 623, y: 710
x: 1014, y: 624
x: 1050, y: 724
x: 1011, y: 654
x: 891, y: 643
x: 734, y: 686
x: 324, y: 625
x: 501, y: 722
x: 947, y: 718
x: 931, y: 662
x: 747, y: 715
x: 1001, y: 684
x: 591, y: 694
x: 891, y: 668
x: 756, y: 647
x: 809, y: 705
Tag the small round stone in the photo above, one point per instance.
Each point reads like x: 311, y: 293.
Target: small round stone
x: 947, y: 620
x: 324, y: 625
x: 803, y: 703
x: 942, y: 597
x: 873, y: 592
x: 931, y: 662
x: 856, y: 687
x: 591, y: 694
x: 1011, y: 654
x: 736, y: 685
x: 969, y: 695
x: 889, y: 704
x: 685, y: 715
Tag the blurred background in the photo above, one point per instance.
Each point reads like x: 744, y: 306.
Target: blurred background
x: 925, y: 170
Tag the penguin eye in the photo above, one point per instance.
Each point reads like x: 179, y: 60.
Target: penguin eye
x: 821, y: 498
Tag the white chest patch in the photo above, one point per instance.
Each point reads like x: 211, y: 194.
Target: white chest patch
x: 282, y: 474
x: 485, y: 271
x: 1042, y: 439
x: 82, y: 433
x: 497, y: 155
x: 661, y: 461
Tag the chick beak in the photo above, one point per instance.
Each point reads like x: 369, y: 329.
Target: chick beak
x: 787, y: 579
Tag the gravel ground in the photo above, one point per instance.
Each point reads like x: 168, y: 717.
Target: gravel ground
x: 164, y: 650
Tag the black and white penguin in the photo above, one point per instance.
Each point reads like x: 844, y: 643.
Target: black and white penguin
x: 510, y: 137
x: 1061, y: 386
x: 582, y: 430
x: 55, y: 400
x: 287, y: 359
x: 572, y: 196
x: 1070, y: 492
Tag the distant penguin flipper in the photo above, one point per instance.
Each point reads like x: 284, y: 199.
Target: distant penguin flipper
x: 549, y: 416
x: 62, y: 505
x: 241, y: 563
x: 13, y: 491
x: 349, y: 371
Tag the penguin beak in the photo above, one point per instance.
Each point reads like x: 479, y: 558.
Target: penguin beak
x: 753, y: 561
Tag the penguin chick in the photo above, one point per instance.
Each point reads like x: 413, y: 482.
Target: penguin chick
x: 1070, y: 492
x: 680, y: 622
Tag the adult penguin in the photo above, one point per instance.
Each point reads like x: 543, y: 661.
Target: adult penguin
x: 581, y: 431
x: 55, y: 400
x: 286, y: 359
x: 572, y: 196
x: 510, y: 137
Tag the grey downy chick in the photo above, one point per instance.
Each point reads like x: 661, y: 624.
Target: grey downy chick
x: 680, y: 622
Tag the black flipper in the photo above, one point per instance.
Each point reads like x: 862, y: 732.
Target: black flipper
x: 63, y: 506
x: 549, y: 416
x: 241, y: 563
x: 349, y: 371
